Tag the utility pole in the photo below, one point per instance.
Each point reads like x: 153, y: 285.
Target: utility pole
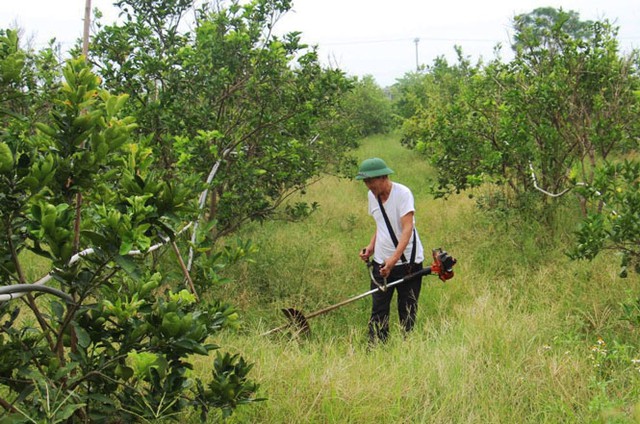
x: 417, y: 40
x: 87, y: 26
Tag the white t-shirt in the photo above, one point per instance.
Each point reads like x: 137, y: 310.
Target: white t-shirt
x: 399, y: 203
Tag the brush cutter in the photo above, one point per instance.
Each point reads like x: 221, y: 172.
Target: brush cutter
x: 442, y: 266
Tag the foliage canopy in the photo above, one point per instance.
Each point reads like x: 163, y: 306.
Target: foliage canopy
x: 540, y: 125
x: 98, y: 183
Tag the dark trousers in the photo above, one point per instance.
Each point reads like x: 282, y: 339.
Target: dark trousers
x: 408, y: 293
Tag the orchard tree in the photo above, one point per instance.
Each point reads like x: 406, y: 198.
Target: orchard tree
x: 108, y: 335
x: 534, y: 30
x: 31, y: 80
x: 616, y: 225
x: 442, y: 95
x: 231, y: 94
x: 368, y: 108
x: 583, y: 93
x: 554, y: 120
x: 436, y: 86
x: 410, y: 94
x: 541, y: 122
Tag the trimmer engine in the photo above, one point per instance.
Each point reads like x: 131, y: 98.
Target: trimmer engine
x: 442, y: 264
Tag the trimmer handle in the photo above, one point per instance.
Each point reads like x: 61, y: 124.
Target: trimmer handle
x: 382, y: 286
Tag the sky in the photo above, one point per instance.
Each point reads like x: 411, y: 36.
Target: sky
x: 385, y: 39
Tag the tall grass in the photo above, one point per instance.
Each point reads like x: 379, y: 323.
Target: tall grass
x: 514, y: 337
x: 521, y: 334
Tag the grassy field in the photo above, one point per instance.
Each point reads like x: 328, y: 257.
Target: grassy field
x: 521, y: 334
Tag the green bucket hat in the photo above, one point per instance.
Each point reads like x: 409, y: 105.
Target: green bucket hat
x: 371, y: 168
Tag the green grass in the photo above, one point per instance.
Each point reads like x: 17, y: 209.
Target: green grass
x: 512, y: 338
x: 520, y: 335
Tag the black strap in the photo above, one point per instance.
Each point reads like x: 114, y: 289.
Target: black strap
x: 393, y: 235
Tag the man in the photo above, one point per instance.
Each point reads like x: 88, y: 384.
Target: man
x: 395, y: 246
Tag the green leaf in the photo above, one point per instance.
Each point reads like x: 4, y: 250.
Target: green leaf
x: 96, y: 239
x: 58, y: 310
x: 124, y: 372
x: 125, y: 247
x: 171, y: 324
x: 128, y: 265
x: 6, y: 158
x: 68, y: 410
x: 84, y: 340
x: 191, y: 346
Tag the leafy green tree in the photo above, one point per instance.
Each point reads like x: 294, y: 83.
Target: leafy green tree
x: 583, y: 96
x: 554, y: 119
x: 540, y: 122
x: 367, y: 108
x: 616, y: 226
x: 439, y: 100
x: 114, y: 343
x: 409, y: 95
x: 437, y: 84
x: 535, y: 30
x: 230, y: 94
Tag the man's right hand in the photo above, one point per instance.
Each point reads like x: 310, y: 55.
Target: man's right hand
x: 365, y: 254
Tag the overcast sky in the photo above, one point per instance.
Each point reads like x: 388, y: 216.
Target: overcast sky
x: 385, y: 39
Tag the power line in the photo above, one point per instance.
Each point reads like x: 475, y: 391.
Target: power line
x: 435, y: 39
x: 373, y: 41
x: 404, y: 40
